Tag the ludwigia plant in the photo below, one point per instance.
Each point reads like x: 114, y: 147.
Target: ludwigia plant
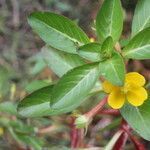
x: 82, y: 65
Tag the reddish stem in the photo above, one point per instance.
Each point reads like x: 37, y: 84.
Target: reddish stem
x: 80, y: 138
x: 73, y: 134
x: 110, y: 112
x: 76, y: 136
x: 138, y: 145
x: 97, y: 108
x: 119, y: 145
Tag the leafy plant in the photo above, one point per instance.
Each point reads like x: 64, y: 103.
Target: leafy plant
x: 81, y: 64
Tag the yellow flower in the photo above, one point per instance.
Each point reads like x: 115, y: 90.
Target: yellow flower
x: 132, y: 91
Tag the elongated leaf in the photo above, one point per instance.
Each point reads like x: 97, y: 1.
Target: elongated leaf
x: 8, y: 107
x: 109, y: 21
x: 60, y: 62
x: 74, y: 86
x: 139, y: 46
x: 20, y: 127
x: 32, y: 141
x: 25, y: 139
x: 90, y: 52
x: 14, y: 135
x: 36, y: 64
x: 57, y: 31
x: 36, y: 84
x: 141, y: 17
x: 36, y: 104
x: 113, y: 69
x: 107, y: 47
x: 138, y: 118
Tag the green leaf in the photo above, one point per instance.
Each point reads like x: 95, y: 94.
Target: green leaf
x: 25, y: 139
x: 32, y: 141
x: 14, y: 135
x: 4, y: 122
x: 58, y: 31
x: 138, y: 118
x: 74, y: 86
x: 37, y: 103
x: 109, y: 21
x: 113, y: 69
x: 60, y: 62
x: 8, y: 107
x: 36, y: 84
x: 141, y: 17
x: 37, y: 64
x: 20, y: 127
x: 139, y: 46
x: 90, y: 52
x: 107, y: 47
x: 124, y: 42
x: 4, y: 81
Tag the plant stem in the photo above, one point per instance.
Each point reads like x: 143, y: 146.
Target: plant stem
x: 73, y: 134
x: 119, y: 145
x: 138, y: 145
x: 118, y: 47
x: 97, y: 108
x: 110, y: 112
x: 46, y: 130
x: 114, y: 140
x: 76, y: 136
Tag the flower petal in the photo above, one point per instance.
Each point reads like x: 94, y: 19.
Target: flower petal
x: 137, y: 97
x: 135, y: 78
x: 108, y: 87
x: 116, y: 99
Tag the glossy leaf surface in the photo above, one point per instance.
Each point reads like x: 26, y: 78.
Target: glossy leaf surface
x: 58, y: 31
x: 109, y: 20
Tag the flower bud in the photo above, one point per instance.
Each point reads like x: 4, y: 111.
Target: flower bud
x: 82, y: 121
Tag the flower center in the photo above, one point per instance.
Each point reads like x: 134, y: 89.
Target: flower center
x: 125, y: 88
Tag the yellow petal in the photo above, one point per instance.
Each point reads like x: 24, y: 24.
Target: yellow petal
x: 137, y: 96
x: 116, y: 99
x: 108, y: 87
x: 135, y: 78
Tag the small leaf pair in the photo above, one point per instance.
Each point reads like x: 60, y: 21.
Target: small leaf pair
x: 96, y: 52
